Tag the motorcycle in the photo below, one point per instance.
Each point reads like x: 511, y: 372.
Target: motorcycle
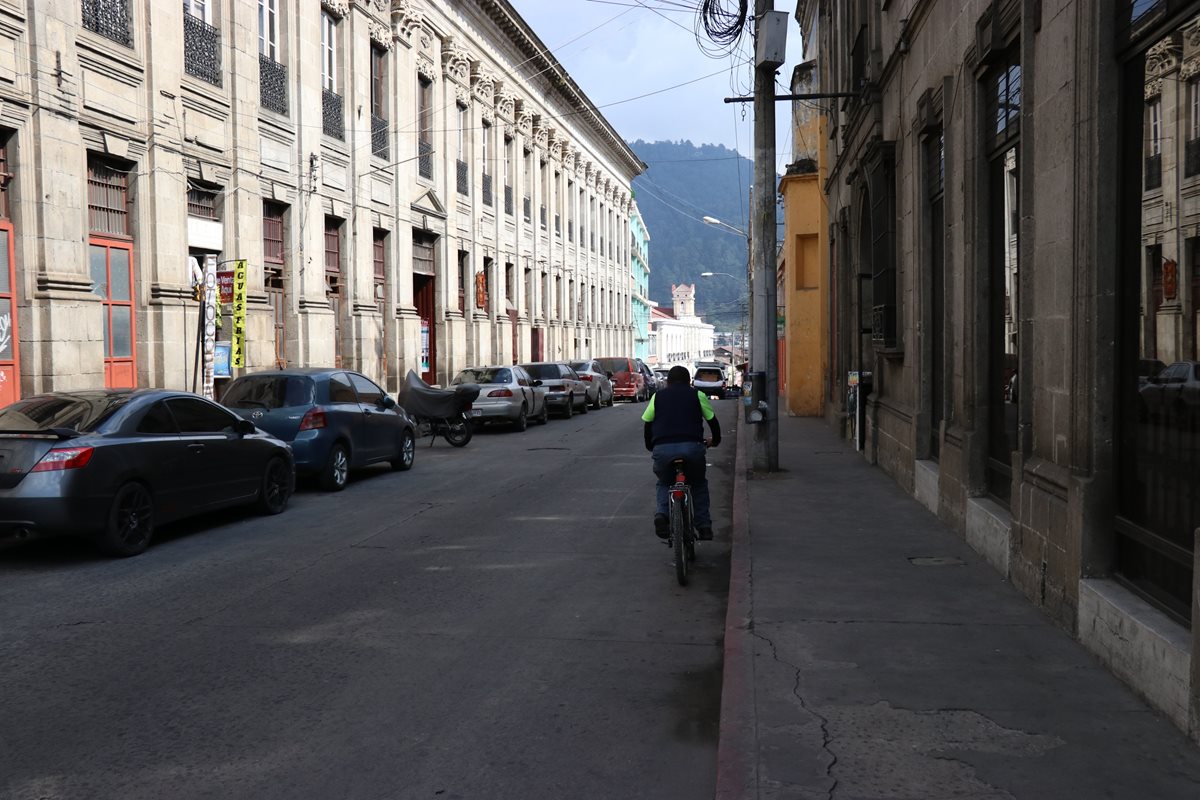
x: 439, y: 412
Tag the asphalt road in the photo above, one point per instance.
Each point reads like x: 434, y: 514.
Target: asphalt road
x: 500, y: 622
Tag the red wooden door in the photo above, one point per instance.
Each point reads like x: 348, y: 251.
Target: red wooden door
x: 111, y: 264
x: 10, y: 374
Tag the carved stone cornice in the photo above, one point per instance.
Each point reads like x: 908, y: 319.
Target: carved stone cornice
x: 1191, y: 66
x: 1163, y: 57
x: 407, y: 18
x: 425, y: 67
x: 524, y: 118
x: 541, y: 135
x: 338, y: 8
x: 1153, y: 88
x: 462, y: 95
x: 483, y: 85
x: 556, y: 148
x: 380, y: 34
x: 456, y: 62
x: 506, y: 105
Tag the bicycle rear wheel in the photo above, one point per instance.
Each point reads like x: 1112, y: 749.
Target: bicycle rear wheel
x: 680, y: 539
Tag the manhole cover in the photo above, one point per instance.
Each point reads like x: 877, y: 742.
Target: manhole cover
x: 936, y: 561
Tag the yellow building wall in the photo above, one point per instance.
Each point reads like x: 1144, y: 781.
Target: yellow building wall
x: 806, y: 289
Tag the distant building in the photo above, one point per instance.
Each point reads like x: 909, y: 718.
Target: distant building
x: 681, y: 338
x: 639, y: 253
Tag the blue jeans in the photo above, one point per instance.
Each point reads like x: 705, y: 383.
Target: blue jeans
x: 693, y: 455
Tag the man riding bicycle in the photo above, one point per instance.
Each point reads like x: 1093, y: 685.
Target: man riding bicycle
x: 674, y: 428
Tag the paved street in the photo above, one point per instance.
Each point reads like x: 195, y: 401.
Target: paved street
x: 497, y: 623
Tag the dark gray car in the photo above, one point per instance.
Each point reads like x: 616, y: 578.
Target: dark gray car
x: 336, y: 420
x: 112, y: 464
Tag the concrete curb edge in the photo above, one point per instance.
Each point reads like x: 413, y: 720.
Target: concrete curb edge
x: 737, y: 756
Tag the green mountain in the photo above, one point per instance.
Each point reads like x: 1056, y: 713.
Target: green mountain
x: 684, y: 183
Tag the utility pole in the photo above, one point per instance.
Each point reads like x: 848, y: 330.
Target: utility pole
x: 763, y: 233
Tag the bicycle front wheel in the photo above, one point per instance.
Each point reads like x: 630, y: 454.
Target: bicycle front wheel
x: 679, y: 537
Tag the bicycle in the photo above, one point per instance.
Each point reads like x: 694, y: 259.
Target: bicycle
x: 683, y: 532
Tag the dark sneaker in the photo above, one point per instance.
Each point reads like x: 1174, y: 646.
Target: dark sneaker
x: 662, y: 526
x: 705, y: 533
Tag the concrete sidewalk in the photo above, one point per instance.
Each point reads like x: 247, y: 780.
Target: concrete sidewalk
x: 871, y: 653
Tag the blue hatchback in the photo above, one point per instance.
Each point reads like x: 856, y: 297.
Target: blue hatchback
x: 336, y: 420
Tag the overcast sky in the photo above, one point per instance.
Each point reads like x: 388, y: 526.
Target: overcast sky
x: 620, y: 49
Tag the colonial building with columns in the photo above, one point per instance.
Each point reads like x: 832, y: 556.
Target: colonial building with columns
x: 413, y: 184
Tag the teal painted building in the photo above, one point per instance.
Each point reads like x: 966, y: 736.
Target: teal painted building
x: 639, y: 254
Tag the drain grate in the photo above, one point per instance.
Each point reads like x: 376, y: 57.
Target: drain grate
x: 936, y: 561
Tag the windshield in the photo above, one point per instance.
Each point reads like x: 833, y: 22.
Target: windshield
x: 483, y: 375
x: 269, y: 391
x: 580, y: 366
x: 614, y: 365
x: 543, y: 372
x: 82, y: 412
x: 709, y: 375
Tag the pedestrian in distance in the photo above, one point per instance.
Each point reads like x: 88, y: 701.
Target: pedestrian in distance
x: 674, y: 428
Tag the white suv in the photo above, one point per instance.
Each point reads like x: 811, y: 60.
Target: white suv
x: 710, y: 379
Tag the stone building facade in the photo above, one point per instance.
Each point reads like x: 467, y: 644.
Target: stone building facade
x: 414, y: 184
x: 639, y: 252
x: 679, y: 337
x: 1014, y: 218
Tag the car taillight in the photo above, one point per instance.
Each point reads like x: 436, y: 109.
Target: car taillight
x: 587, y: 378
x: 315, y: 418
x: 64, y: 458
x: 500, y: 393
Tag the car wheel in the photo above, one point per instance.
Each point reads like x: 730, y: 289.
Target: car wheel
x: 583, y: 408
x: 337, y: 469
x: 130, y: 524
x: 276, y: 487
x: 522, y: 421
x: 612, y: 400
x: 545, y: 417
x: 570, y: 410
x: 408, y: 451
x: 599, y: 398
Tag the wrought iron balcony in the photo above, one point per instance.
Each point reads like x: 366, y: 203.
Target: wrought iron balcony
x: 1191, y: 157
x: 527, y: 207
x: 109, y: 18
x: 272, y: 85
x: 464, y: 177
x: 508, y: 200
x: 487, y: 189
x: 379, y: 136
x: 201, y: 50
x: 1153, y: 175
x: 333, y: 115
x: 425, y: 159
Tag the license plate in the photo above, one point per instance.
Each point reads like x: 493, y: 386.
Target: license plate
x: 476, y: 412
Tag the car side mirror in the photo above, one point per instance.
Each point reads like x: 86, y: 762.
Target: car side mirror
x: 387, y: 402
x: 609, y: 374
x: 244, y: 427
x: 537, y: 383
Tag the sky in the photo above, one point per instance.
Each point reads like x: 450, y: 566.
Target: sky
x: 620, y: 49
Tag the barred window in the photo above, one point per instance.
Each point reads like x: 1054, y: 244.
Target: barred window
x: 201, y: 202
x: 273, y: 232
x: 333, y: 246
x: 108, y: 197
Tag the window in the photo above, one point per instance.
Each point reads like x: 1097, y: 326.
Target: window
x: 508, y: 188
x: 486, y: 146
x: 570, y: 211
x: 379, y: 116
x: 329, y: 52
x: 201, y: 201
x: 201, y: 42
x: 333, y: 281
x: 272, y: 75
x: 425, y: 127
x: 527, y: 185
x: 558, y: 204
x: 1153, y: 168
x: 464, y: 278
x: 273, y: 272
x: 340, y: 389
x: 158, y: 420
x: 368, y: 392
x: 109, y: 18
x: 194, y: 415
x: 379, y: 262
x: 545, y: 198
x: 464, y: 175
x: 110, y: 264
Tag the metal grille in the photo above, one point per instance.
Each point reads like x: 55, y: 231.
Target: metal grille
x: 201, y: 203
x: 109, y: 18
x: 108, y: 199
x: 201, y: 50
x: 333, y: 117
x: 1153, y: 175
x: 487, y: 189
x: 464, y: 177
x: 272, y: 85
x: 425, y: 159
x: 508, y: 200
x: 273, y: 233
x: 379, y: 136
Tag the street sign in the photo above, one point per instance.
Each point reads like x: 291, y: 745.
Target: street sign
x: 238, y: 351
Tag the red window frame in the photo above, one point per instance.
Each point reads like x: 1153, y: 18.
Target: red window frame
x: 10, y: 368
x: 108, y: 221
x: 120, y: 371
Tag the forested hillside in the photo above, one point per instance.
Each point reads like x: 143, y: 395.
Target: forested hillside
x: 684, y: 183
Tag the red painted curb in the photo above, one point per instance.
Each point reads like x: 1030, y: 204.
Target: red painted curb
x: 737, y: 750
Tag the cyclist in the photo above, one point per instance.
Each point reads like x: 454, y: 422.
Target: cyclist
x: 674, y: 428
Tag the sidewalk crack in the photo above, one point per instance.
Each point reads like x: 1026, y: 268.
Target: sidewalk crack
x: 826, y: 739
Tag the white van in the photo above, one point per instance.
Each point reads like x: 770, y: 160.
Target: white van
x: 710, y: 378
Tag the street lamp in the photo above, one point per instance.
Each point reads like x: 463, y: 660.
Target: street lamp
x: 714, y: 221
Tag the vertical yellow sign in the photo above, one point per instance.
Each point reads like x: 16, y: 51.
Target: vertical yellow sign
x: 237, y: 357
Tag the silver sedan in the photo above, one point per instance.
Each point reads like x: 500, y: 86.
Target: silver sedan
x: 506, y: 394
x: 599, y: 384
